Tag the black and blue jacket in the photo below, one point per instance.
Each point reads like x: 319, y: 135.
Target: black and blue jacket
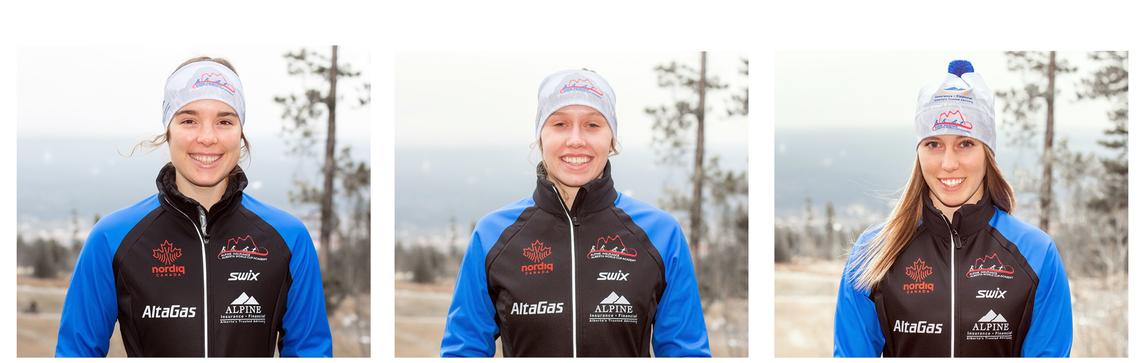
x: 986, y: 285
x: 241, y: 279
x: 610, y: 276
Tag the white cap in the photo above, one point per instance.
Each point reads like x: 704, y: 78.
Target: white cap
x: 205, y: 80
x: 961, y: 105
x: 575, y: 87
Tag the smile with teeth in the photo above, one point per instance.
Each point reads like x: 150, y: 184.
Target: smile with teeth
x: 576, y: 160
x: 952, y: 182
x: 206, y: 158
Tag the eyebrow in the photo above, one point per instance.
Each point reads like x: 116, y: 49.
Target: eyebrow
x: 592, y: 113
x: 195, y: 113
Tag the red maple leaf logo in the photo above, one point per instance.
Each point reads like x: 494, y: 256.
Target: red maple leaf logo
x: 536, y: 252
x: 918, y: 270
x: 166, y: 253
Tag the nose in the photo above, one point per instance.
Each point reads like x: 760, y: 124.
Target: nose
x: 207, y: 136
x: 575, y: 138
x: 950, y: 161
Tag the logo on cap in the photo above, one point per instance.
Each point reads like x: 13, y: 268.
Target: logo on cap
x: 952, y: 120
x: 581, y: 85
x: 214, y: 79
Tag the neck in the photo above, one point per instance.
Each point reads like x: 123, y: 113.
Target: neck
x: 948, y: 211
x: 206, y: 196
x: 567, y: 193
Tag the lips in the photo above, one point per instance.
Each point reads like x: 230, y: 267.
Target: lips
x: 205, y: 160
x: 951, y: 184
x: 576, y: 161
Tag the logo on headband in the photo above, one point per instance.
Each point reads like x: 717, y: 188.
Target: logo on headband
x: 214, y: 79
x: 952, y: 120
x: 581, y: 85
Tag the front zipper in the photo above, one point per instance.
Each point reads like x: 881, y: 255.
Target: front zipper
x: 573, y: 277
x: 204, y: 238
x: 953, y: 277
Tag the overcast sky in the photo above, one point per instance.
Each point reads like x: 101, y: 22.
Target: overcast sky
x: 117, y: 90
x: 468, y: 99
x: 879, y: 89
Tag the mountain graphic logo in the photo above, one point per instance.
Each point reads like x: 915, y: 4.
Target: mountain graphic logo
x: 536, y: 252
x: 990, y: 265
x: 612, y: 246
x: 952, y: 120
x: 991, y: 317
x: 581, y: 85
x: 614, y: 298
x: 166, y: 253
x: 245, y: 300
x: 214, y: 79
x: 243, y: 247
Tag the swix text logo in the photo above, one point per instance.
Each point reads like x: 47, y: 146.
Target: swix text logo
x: 243, y: 276
x: 214, y: 79
x: 990, y: 265
x: 168, y: 312
x: 613, y: 309
x: 541, y: 308
x: 996, y: 293
x: 244, y: 309
x: 167, y: 254
x: 952, y: 120
x: 991, y: 326
x: 536, y: 253
x: 613, y: 276
x: 921, y: 327
x: 612, y: 247
x: 918, y: 271
x: 581, y: 85
x: 243, y: 247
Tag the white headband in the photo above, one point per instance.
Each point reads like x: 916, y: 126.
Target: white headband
x: 205, y: 80
x: 962, y: 104
x: 575, y: 87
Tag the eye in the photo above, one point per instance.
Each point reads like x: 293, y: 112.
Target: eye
x: 932, y: 144
x: 186, y: 121
x: 226, y: 122
x: 966, y: 144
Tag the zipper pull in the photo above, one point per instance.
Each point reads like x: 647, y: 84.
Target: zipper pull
x: 957, y: 240
x: 202, y: 223
x: 576, y: 223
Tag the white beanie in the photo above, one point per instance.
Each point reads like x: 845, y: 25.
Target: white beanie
x: 204, y: 80
x: 575, y: 87
x: 961, y: 105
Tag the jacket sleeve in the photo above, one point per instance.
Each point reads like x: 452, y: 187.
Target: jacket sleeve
x: 90, y: 307
x: 1051, y: 328
x: 857, y: 329
x: 471, y: 329
x: 305, y: 324
x: 680, y: 327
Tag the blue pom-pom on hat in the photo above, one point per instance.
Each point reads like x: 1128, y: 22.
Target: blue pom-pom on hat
x: 960, y: 67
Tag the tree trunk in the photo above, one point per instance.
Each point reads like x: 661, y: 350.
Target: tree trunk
x: 1047, y: 155
x: 329, y: 167
x: 698, y: 170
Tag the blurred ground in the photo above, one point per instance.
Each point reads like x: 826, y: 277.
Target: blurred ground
x: 36, y: 332
x: 805, y: 311
x: 421, y: 311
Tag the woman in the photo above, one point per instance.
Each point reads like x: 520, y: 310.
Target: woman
x: 577, y: 269
x: 200, y: 268
x: 952, y: 272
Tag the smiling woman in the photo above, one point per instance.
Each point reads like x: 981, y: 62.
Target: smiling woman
x: 232, y: 275
x: 909, y: 285
x: 577, y: 269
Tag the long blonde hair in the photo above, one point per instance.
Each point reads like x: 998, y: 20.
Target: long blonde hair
x: 873, y: 260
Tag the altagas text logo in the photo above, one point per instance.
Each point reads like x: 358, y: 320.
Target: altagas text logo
x: 168, y: 312
x: 167, y: 254
x: 243, y: 247
x: 541, y: 308
x: 918, y: 271
x: 536, y: 253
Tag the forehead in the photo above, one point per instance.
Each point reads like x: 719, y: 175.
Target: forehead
x: 207, y: 106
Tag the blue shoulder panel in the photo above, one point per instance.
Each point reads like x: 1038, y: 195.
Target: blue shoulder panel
x: 305, y: 324
x: 1051, y: 328
x: 680, y: 327
x: 91, y: 306
x: 471, y: 328
x: 857, y: 330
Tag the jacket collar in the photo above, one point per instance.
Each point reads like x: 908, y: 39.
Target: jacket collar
x: 170, y: 196
x: 968, y: 219
x: 594, y: 196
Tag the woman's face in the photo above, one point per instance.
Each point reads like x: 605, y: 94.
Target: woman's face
x: 575, y: 145
x: 205, y: 142
x: 953, y: 167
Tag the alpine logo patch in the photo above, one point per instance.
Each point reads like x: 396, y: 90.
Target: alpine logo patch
x: 244, y: 309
